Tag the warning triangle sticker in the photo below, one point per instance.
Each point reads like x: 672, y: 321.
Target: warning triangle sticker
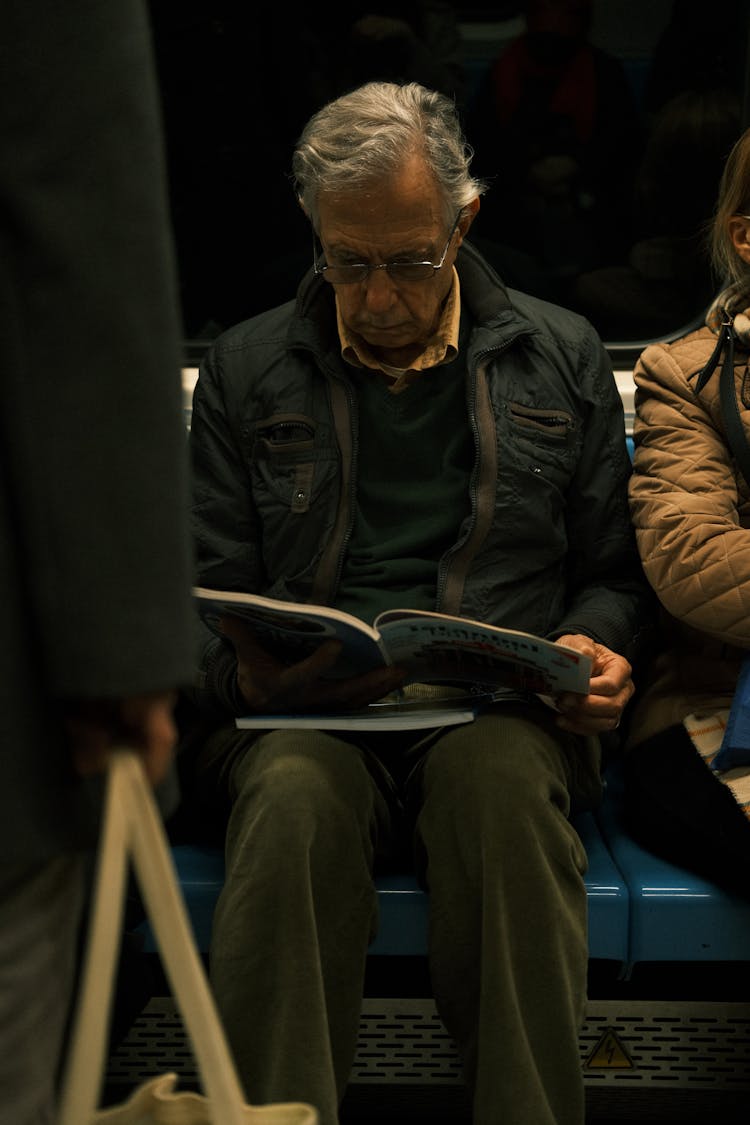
x: 609, y: 1054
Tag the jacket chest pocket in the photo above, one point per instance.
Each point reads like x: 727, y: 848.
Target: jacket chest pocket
x: 542, y: 445
x: 291, y: 460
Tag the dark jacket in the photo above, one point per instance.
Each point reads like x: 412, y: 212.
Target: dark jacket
x: 547, y: 547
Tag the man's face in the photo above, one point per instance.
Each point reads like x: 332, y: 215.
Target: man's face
x: 400, y: 218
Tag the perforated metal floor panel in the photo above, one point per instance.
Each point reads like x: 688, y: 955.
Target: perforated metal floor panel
x: 632, y: 1052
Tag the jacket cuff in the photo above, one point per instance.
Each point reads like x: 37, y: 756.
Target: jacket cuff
x: 216, y: 685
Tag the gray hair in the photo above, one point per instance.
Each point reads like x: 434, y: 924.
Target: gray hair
x: 369, y: 132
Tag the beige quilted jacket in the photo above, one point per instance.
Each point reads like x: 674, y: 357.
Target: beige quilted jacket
x: 691, y: 509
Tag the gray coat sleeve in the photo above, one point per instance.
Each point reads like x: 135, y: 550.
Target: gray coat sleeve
x: 93, y: 446
x: 95, y: 556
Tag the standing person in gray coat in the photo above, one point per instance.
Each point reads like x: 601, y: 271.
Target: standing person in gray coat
x: 408, y: 432
x: 94, y: 554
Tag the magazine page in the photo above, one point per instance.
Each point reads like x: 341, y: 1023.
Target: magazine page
x: 292, y: 631
x: 433, y: 646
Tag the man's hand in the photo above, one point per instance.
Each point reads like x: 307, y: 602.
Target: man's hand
x: 267, y: 684
x: 611, y: 687
x: 145, y: 723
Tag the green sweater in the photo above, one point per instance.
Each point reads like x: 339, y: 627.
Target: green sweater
x: 415, y: 454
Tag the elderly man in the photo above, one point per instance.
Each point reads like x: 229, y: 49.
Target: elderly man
x: 408, y: 432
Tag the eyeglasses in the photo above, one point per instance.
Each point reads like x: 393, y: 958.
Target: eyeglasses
x: 398, y: 271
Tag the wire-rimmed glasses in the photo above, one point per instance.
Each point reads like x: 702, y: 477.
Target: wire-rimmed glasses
x: 399, y: 271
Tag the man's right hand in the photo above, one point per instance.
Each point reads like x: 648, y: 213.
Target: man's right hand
x: 267, y: 684
x: 145, y: 723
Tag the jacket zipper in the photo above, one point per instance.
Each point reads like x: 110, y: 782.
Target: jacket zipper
x: 447, y: 562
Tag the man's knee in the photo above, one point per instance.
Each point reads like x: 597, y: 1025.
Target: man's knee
x: 295, y: 765
x: 502, y: 761
x: 302, y: 791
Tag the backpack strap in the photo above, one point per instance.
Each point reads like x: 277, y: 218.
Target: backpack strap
x: 736, y: 436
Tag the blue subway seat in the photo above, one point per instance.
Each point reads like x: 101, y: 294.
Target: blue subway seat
x: 403, y: 904
x: 402, y: 908
x: 641, y: 907
x: 200, y: 870
x: 675, y: 915
x: 608, y: 901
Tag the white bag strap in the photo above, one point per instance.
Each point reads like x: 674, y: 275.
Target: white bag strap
x: 133, y: 828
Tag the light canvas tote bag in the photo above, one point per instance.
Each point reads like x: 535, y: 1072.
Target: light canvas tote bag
x: 133, y: 832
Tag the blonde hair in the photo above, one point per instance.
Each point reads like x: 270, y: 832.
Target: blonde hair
x: 733, y: 199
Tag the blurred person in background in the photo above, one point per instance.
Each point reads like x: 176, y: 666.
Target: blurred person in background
x: 95, y: 559
x: 542, y: 123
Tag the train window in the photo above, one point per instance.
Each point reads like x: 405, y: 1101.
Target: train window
x: 601, y: 126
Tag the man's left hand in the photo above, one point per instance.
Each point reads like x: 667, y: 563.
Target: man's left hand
x: 610, y: 689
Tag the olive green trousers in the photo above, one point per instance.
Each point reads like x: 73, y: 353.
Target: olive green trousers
x: 488, y: 814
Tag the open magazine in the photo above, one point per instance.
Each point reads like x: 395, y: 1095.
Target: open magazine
x: 431, y: 648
